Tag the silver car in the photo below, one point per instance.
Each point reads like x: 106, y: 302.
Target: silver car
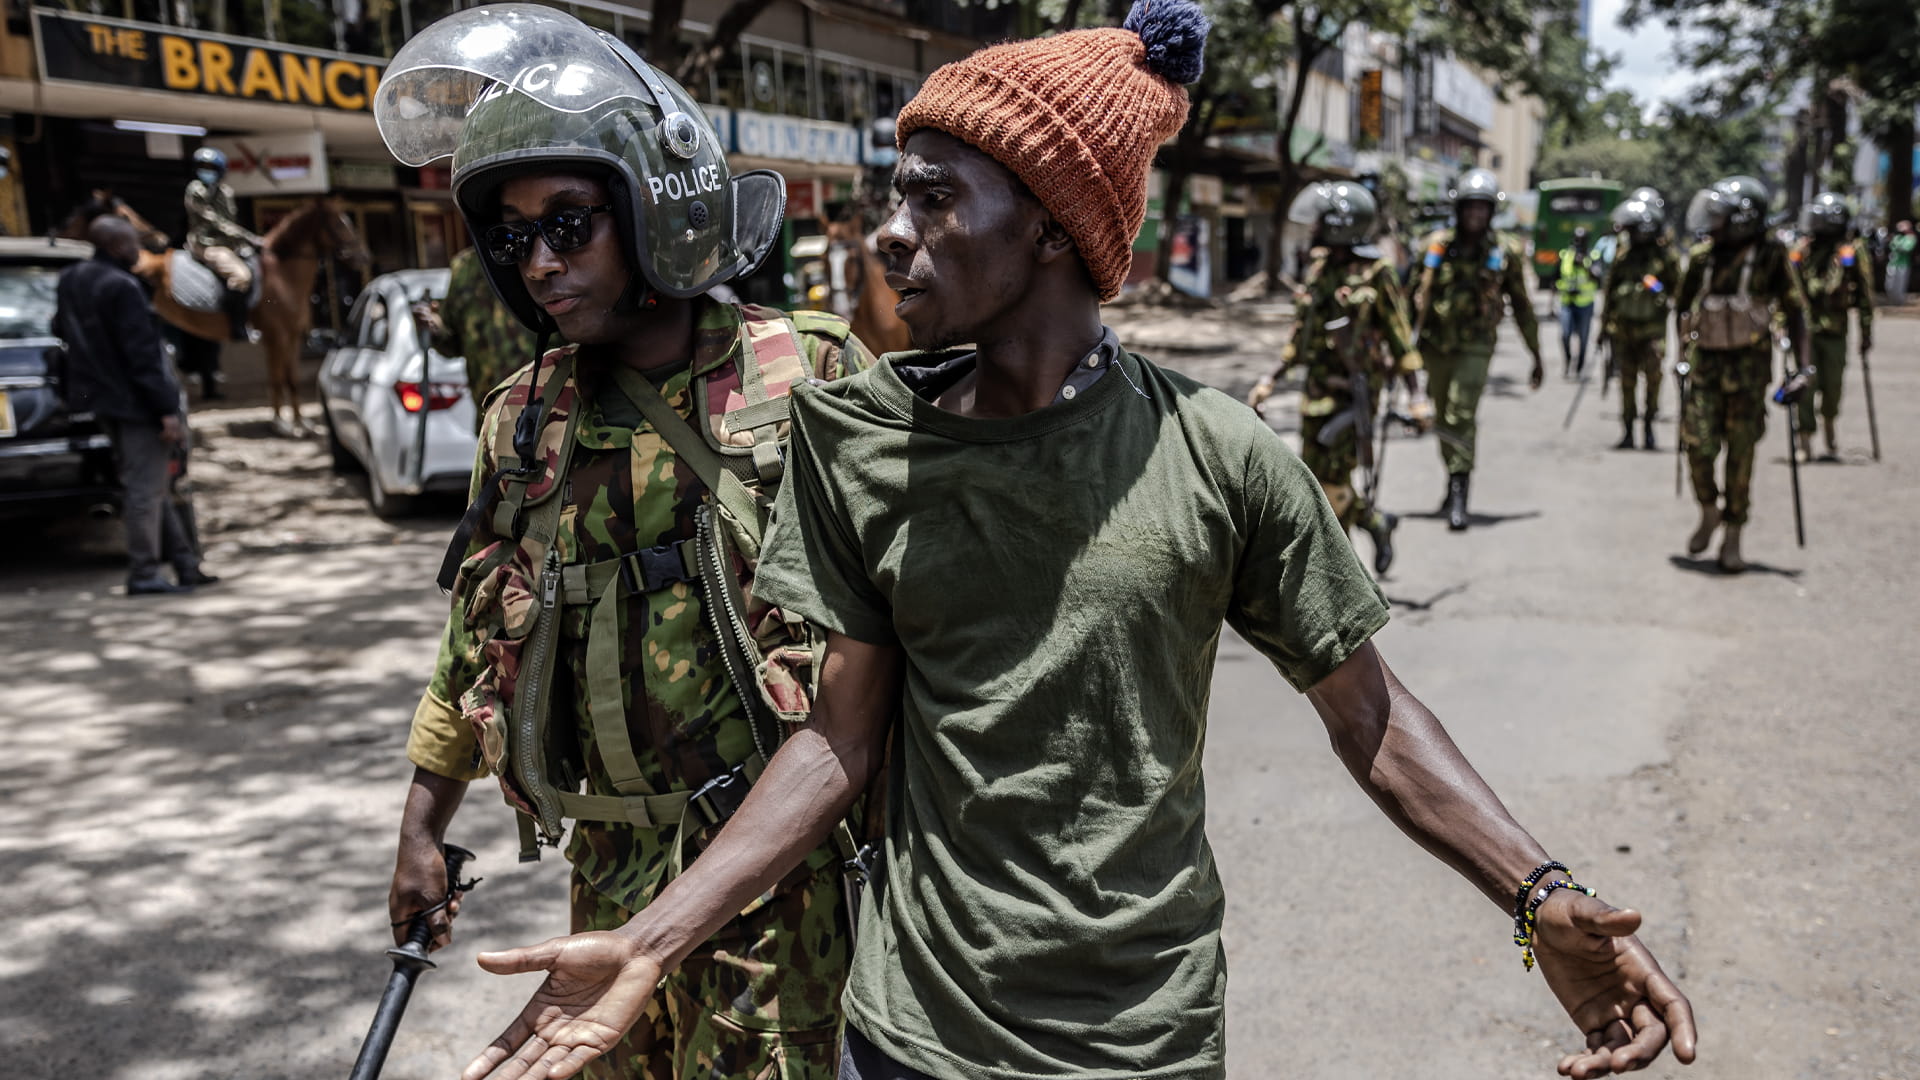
x: 395, y: 407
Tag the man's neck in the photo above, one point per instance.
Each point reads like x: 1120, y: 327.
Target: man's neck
x: 661, y: 337
x: 1020, y: 368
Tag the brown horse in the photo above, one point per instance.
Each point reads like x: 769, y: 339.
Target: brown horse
x: 289, y: 266
x: 857, y: 284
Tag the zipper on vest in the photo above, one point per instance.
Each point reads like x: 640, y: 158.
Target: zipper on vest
x: 529, y: 764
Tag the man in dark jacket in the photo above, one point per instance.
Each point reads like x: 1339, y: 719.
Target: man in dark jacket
x: 118, y: 371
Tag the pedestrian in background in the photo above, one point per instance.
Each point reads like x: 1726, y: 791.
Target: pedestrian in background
x: 118, y: 371
x: 1899, y: 262
x: 1576, y: 288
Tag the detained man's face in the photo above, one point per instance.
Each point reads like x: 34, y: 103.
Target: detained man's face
x: 962, y: 247
x: 577, y: 288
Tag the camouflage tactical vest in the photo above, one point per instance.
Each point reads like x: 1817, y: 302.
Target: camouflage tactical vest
x: 1461, y: 297
x: 513, y: 592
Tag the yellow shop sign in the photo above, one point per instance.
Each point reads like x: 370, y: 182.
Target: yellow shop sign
x: 118, y: 52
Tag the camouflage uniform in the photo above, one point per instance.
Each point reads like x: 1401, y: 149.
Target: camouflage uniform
x: 214, y: 235
x: 1639, y: 297
x: 762, y: 997
x: 1726, y: 397
x: 477, y: 327
x: 1368, y: 293
x: 1463, y: 292
x: 1837, y: 276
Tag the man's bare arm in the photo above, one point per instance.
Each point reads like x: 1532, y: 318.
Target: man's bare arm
x: 599, y: 983
x: 1609, y: 984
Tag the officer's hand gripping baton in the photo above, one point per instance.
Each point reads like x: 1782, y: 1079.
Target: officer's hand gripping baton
x: 409, y: 961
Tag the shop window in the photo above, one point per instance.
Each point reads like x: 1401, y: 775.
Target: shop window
x: 763, y: 79
x: 730, y: 82
x: 420, y: 13
x: 796, y: 84
x: 845, y: 92
x: 371, y: 27
x: 592, y: 16
x: 304, y: 22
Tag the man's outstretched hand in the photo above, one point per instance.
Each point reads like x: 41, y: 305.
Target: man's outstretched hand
x: 597, y: 986
x: 1611, y: 986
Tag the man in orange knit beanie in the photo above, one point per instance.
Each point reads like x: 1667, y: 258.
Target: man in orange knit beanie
x: 1024, y: 541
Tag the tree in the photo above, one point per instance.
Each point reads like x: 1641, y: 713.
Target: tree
x: 1765, y: 50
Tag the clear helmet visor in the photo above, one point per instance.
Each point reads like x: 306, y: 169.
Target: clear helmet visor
x: 1707, y: 212
x: 438, y: 77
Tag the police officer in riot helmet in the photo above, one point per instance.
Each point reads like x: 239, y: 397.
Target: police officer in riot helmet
x: 603, y: 208
x: 1737, y: 280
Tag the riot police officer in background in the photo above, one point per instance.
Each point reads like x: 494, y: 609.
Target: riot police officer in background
x: 1639, y: 296
x: 1837, y: 273
x: 1736, y: 281
x: 1469, y: 274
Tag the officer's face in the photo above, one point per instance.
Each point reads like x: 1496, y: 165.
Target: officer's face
x: 577, y: 288
x: 962, y: 248
x: 1475, y: 216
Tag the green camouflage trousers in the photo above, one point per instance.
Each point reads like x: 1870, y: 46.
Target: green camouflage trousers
x: 1637, y: 358
x: 1333, y: 466
x: 760, y: 1001
x: 1726, y: 404
x: 1830, y: 370
x: 1455, y: 381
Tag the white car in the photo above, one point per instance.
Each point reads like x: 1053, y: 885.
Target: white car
x: 395, y: 407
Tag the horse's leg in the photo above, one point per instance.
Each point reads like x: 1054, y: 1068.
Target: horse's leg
x: 290, y: 371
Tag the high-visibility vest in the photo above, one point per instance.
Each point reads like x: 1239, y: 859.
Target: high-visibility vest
x: 1576, y: 285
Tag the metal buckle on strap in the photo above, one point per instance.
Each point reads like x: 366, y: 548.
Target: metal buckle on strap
x: 720, y: 798
x: 654, y: 568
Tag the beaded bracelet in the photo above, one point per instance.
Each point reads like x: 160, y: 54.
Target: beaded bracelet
x: 1523, y: 932
x: 1527, y: 883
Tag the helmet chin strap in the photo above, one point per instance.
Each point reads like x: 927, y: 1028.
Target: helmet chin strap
x: 637, y: 296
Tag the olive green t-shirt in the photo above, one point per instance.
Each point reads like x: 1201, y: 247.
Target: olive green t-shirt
x: 1048, y: 905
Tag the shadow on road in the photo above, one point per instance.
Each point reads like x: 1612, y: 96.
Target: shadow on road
x: 1711, y: 567
x: 1427, y: 605
x: 1474, y: 517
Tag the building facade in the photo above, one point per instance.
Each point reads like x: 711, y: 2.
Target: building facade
x: 119, y: 102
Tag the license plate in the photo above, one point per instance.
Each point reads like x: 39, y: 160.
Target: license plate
x: 6, y: 415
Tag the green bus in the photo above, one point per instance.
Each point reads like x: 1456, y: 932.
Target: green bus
x: 1565, y: 205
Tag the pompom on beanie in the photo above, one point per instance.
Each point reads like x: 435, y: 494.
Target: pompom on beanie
x: 1077, y: 117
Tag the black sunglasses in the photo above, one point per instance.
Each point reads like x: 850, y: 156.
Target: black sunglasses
x: 563, y: 230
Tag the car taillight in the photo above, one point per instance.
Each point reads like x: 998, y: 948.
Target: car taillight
x: 431, y: 396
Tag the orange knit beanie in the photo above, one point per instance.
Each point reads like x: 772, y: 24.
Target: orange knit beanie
x: 1076, y: 117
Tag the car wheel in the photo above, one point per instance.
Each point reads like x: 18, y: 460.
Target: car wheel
x: 387, y: 504
x: 343, y: 460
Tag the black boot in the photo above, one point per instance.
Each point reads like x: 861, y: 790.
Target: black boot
x: 1381, y: 527
x: 1626, y: 436
x: 235, y: 305
x: 1646, y: 435
x: 1457, y: 501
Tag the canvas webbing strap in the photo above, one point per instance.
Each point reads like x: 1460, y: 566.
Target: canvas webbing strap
x: 701, y: 458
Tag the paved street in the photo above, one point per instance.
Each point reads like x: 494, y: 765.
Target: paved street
x: 198, y: 810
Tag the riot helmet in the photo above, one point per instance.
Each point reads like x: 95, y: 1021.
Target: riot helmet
x: 510, y: 89
x: 207, y: 159
x: 1580, y: 237
x: 1638, y: 217
x: 1827, y: 216
x: 1340, y: 213
x: 1649, y: 195
x: 1478, y: 185
x: 1737, y: 204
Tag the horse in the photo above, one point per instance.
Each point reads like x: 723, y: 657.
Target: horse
x: 857, y: 289
x: 289, y: 266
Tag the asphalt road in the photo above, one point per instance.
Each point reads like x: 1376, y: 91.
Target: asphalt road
x: 198, y: 809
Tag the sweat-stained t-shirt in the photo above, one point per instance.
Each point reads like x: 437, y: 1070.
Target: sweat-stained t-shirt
x: 1048, y: 905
